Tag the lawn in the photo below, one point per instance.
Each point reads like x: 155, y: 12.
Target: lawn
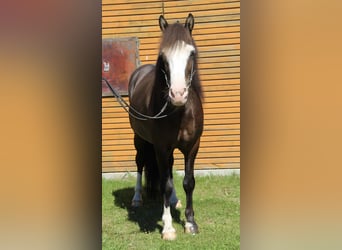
x: 217, y: 213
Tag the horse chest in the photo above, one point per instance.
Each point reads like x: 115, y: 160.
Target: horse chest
x: 187, y: 131
x: 185, y: 134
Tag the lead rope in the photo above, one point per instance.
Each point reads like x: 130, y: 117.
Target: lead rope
x: 128, y: 107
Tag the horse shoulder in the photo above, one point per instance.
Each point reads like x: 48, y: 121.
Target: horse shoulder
x: 141, y: 86
x: 192, y: 122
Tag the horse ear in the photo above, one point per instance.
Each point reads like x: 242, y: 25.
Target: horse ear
x: 189, y: 23
x: 162, y: 23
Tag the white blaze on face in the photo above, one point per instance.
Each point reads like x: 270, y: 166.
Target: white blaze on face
x: 177, y: 58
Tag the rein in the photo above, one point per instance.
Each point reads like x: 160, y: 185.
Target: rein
x: 128, y: 107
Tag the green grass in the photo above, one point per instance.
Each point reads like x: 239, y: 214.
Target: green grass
x: 216, y: 203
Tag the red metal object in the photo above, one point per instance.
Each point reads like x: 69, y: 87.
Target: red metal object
x: 120, y: 57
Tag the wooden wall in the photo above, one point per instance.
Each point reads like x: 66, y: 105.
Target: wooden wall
x: 217, y: 35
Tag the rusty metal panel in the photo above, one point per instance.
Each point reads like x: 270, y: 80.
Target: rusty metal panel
x: 120, y: 57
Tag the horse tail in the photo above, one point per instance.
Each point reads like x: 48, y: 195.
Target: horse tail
x: 152, y: 179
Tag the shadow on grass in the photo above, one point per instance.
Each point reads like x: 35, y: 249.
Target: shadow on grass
x: 148, y: 215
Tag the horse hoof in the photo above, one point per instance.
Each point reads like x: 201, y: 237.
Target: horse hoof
x: 136, y: 203
x: 169, y: 236
x: 177, y: 205
x: 191, y: 228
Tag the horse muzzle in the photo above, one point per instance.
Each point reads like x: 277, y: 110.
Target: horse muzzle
x: 178, y: 97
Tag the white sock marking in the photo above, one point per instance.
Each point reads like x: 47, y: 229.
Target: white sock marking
x: 167, y: 220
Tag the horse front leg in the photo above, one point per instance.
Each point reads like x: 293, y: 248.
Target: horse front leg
x: 175, y: 202
x: 189, y: 186
x: 169, y: 232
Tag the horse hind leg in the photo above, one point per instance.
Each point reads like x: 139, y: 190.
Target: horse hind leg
x: 137, y: 198
x: 152, y: 181
x: 140, y: 162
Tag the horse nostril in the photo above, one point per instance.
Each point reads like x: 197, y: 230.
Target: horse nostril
x: 180, y: 93
x: 183, y: 91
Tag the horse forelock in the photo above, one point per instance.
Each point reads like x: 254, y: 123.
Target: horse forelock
x: 173, y: 34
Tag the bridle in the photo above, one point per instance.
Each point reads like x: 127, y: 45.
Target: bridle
x: 188, y: 83
x: 132, y: 111
x: 140, y: 116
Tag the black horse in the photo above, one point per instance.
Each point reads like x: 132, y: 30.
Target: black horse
x: 169, y: 95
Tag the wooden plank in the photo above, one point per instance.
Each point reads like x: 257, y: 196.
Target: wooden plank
x: 217, y: 91
x: 219, y: 71
x: 200, y: 5
x: 111, y: 5
x: 111, y: 147
x: 208, y: 155
x: 153, y: 31
x: 218, y: 27
x: 229, y: 113
x: 202, y: 15
x: 219, y: 59
x: 227, y: 65
x: 133, y: 28
x: 124, y: 2
x: 219, y: 53
x: 180, y: 168
x: 199, y: 43
x: 233, y: 140
x: 207, y: 2
x: 129, y: 168
x: 231, y: 117
x: 227, y: 84
x: 129, y: 15
x: 222, y: 76
x: 115, y: 132
x: 219, y: 106
x: 119, y: 142
x: 122, y: 128
x: 229, y: 108
x: 220, y: 37
x: 111, y: 128
x: 204, y: 52
x: 129, y: 140
x: 220, y: 133
x: 209, y: 106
